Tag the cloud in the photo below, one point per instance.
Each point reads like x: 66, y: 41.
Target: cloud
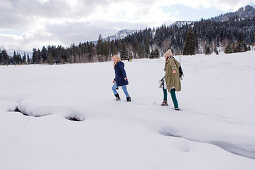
x: 44, y: 22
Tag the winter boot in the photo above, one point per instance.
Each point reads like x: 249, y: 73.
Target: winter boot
x: 117, y: 97
x: 177, y: 109
x: 164, y: 103
x: 128, y: 99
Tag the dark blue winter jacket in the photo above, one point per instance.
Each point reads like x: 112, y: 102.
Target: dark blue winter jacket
x: 120, y: 74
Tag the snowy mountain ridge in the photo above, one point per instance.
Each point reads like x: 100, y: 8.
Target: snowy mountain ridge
x: 121, y: 34
x: 243, y: 12
x: 181, y: 23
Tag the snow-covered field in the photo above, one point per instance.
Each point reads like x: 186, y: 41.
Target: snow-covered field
x: 215, y: 130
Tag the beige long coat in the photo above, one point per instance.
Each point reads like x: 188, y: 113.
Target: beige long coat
x: 172, y: 79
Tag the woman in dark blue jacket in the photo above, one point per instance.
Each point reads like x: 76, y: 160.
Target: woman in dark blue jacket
x: 120, y: 78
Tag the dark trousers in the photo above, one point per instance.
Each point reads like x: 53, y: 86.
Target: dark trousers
x: 172, y: 92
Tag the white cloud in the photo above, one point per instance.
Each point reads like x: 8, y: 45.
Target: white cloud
x: 44, y: 22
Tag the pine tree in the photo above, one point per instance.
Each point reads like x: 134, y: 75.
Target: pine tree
x: 147, y: 48
x: 24, y: 59
x: 15, y: 58
x: 5, y: 58
x: 190, y: 43
x: 38, y: 56
x: 56, y: 54
x: 91, y: 51
x: 154, y: 54
x: 34, y: 56
x: 19, y: 59
x: 240, y: 47
x: 123, y: 53
x: 229, y: 49
x: 106, y: 49
x: 99, y: 46
x: 50, y: 58
x: 44, y: 54
x: 28, y: 59
x: 1, y: 57
x: 207, y: 50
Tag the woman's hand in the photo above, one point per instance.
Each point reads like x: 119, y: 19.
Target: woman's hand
x: 174, y: 71
x: 126, y: 78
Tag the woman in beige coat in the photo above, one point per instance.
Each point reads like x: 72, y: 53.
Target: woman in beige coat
x: 172, y: 79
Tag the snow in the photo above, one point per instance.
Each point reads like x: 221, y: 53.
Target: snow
x: 182, y: 23
x: 215, y: 130
x: 121, y: 34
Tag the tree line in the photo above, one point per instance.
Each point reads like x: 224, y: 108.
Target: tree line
x: 202, y: 36
x: 5, y: 59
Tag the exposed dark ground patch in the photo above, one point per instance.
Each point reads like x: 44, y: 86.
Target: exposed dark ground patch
x: 18, y: 110
x: 74, y: 118
x: 71, y: 117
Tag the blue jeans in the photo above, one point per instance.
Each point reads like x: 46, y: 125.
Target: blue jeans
x: 124, y: 88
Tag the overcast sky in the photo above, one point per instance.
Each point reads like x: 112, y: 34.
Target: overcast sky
x: 27, y: 24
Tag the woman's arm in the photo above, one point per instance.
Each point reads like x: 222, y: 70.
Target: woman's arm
x: 123, y: 71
